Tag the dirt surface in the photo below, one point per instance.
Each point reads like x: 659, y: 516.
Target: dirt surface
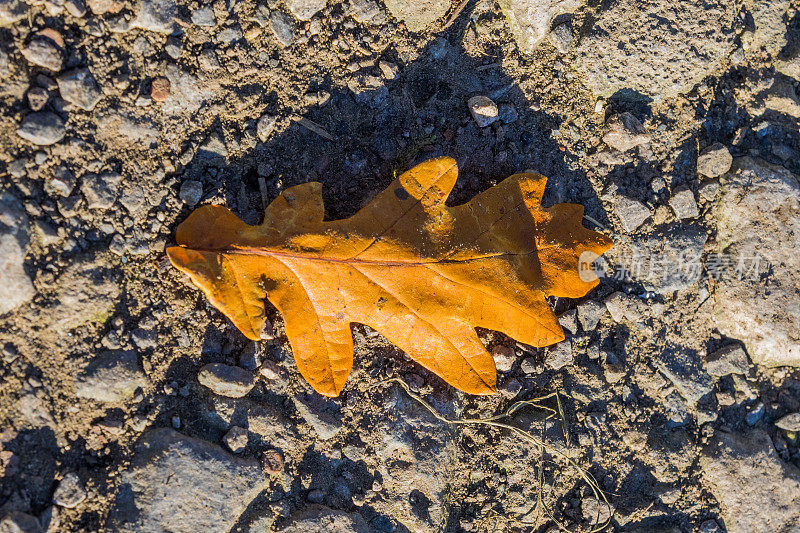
x: 103, y: 340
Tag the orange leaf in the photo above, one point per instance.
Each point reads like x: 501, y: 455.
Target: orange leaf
x: 421, y: 273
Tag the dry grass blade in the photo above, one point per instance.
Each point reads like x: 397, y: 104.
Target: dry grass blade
x: 494, y: 421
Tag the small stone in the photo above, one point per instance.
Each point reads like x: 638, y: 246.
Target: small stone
x: 561, y: 37
x: 305, y: 9
x: 625, y: 132
x: 790, y: 422
x: 265, y: 126
x: 236, y: 439
x: 483, y: 110
x: 589, y: 314
x: 160, y: 89
x: 17, y: 522
x: 12, y: 11
x: 42, y: 128
x: 714, y: 161
x: 111, y: 377
x: 710, y: 526
x: 510, y: 388
x: 622, y: 306
x: 101, y: 190
x: 191, y: 192
x: 79, y: 88
x: 283, y: 28
x: 530, y: 20
x: 559, y: 355
x: 180, y: 484
x: 272, y: 462
x: 76, y: 8
x: 37, y: 98
x: 366, y: 11
x: 709, y: 190
x: 204, y: 16
x: 226, y: 380
x: 70, y: 492
x: 504, y: 357
x: 176, y: 422
x: 389, y: 70
x: 529, y: 365
x: 46, y: 232
x: 730, y: 359
x: 43, y: 52
x: 174, y: 47
x: 155, y: 15
x: 755, y: 414
x: 684, y: 204
x: 569, y: 320
x: 631, y: 213
x: 61, y: 184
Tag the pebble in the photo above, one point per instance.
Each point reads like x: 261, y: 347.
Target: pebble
x: 483, y: 110
x: 507, y: 113
x: 12, y: 11
x: 43, y: 52
x: 709, y: 190
x: 17, y: 522
x: 714, y: 161
x: 755, y: 414
x: 625, y: 132
x: 226, y: 380
x: 174, y: 47
x: 181, y: 484
x: 100, y: 190
x: 70, y: 492
x: 112, y: 376
x: 204, y: 17
x: 37, y: 98
x: 265, y: 126
x: 160, y: 89
x: 42, y: 128
x: 589, y: 314
x: 504, y: 357
x: 61, y: 184
x: 561, y: 38
x: 510, y: 388
x: 790, y: 422
x: 79, y: 88
x: 730, y: 359
x: 559, y: 355
x: 191, y: 192
x: 76, y: 8
x: 156, y: 15
x: 529, y: 366
x: 631, y: 213
x: 569, y: 320
x: 236, y: 439
x: 272, y: 462
x: 389, y: 70
x: 283, y: 28
x: 684, y: 204
x: 305, y: 9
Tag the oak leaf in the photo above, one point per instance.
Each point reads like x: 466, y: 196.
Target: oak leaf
x: 421, y: 273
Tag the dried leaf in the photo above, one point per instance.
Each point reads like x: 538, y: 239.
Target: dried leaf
x: 421, y: 273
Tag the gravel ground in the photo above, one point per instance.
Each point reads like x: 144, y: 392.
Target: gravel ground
x: 128, y: 403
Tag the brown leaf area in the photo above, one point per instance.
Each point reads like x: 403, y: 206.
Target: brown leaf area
x: 421, y: 273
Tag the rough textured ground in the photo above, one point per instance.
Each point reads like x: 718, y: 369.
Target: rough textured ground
x: 674, y: 123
